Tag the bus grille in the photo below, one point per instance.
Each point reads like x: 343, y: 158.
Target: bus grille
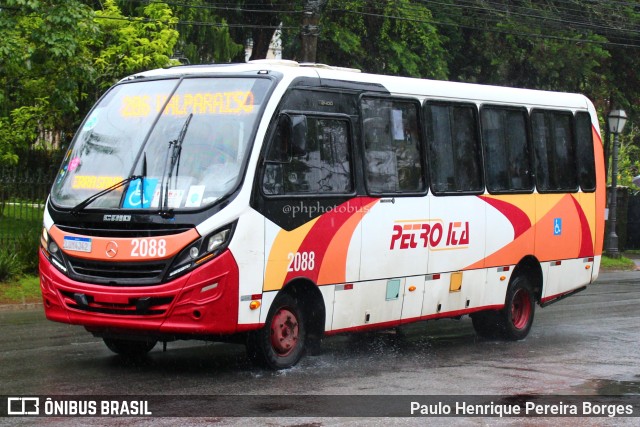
x: 117, y: 273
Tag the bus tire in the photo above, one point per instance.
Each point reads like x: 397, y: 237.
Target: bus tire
x: 280, y: 343
x: 129, y: 348
x: 516, y: 317
x: 486, y: 324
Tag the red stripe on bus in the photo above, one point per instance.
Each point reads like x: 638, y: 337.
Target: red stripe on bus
x: 323, y: 232
x: 518, y: 219
x: 586, y: 244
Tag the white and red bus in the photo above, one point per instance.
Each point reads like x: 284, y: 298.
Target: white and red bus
x: 281, y: 202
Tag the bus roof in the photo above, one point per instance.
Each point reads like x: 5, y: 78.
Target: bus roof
x: 403, y: 86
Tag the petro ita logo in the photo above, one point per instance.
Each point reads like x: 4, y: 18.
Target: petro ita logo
x: 433, y: 234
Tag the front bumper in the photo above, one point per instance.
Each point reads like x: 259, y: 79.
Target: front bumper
x: 203, y: 302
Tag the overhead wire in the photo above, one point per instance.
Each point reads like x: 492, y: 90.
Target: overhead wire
x: 511, y: 10
x: 487, y: 21
x: 488, y: 15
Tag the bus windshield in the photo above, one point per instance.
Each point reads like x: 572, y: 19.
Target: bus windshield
x: 186, y: 140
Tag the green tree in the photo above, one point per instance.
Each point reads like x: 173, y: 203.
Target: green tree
x: 58, y: 57
x: 523, y: 44
x: 204, y: 34
x: 391, y: 37
x: 629, y: 156
x: 131, y: 44
x: 44, y: 61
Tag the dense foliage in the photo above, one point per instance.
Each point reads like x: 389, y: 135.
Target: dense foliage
x: 57, y: 57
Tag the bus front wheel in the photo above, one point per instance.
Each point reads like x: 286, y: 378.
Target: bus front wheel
x: 129, y: 348
x: 280, y: 343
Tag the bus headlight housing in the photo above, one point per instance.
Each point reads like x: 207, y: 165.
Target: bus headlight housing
x: 218, y: 240
x: 51, y: 250
x: 201, y: 251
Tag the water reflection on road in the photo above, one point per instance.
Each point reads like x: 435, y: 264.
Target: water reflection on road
x: 584, y: 345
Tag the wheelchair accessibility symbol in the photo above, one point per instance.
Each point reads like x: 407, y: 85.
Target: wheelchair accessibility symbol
x: 557, y: 226
x: 138, y: 199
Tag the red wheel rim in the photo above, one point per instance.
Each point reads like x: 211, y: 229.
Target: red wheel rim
x: 284, y: 332
x: 521, y: 309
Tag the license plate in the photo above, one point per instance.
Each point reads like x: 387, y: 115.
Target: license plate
x: 78, y: 244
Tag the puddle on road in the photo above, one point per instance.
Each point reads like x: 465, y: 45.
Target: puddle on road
x: 607, y: 387
x: 625, y: 388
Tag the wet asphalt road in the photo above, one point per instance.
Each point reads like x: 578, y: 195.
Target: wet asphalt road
x: 587, y: 344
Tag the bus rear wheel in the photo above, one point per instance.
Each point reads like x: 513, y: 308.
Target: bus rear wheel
x: 514, y: 321
x: 129, y: 348
x: 280, y: 343
x: 516, y: 317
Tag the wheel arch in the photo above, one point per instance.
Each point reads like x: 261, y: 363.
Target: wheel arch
x: 529, y: 266
x: 312, y: 303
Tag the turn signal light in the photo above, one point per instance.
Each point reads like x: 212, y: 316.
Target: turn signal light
x: 254, y: 305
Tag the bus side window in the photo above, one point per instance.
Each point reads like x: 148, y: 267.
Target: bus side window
x: 455, y: 161
x: 325, y: 167
x: 309, y: 155
x: 393, y: 161
x: 506, y: 148
x: 554, y: 149
x: 278, y: 155
x: 584, y: 148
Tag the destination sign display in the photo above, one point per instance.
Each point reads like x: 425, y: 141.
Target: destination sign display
x: 92, y: 182
x: 234, y: 102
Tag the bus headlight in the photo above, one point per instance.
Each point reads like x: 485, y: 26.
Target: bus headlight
x: 217, y: 240
x: 51, y: 250
x: 201, y: 251
x: 194, y: 252
x: 53, y: 247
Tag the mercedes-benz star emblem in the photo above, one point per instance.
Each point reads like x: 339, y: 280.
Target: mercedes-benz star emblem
x: 112, y: 249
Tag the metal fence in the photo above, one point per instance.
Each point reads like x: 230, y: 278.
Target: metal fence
x: 23, y: 193
x: 633, y: 222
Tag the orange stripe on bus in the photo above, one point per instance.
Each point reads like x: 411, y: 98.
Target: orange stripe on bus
x: 286, y: 242
x: 334, y: 264
x: 569, y: 244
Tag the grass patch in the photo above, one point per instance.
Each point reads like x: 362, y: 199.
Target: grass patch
x: 18, y: 218
x: 15, y: 227
x: 20, y: 228
x: 25, y: 289
x: 621, y: 263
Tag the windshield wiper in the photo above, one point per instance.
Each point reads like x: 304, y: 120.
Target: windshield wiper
x: 175, y: 149
x: 86, y: 202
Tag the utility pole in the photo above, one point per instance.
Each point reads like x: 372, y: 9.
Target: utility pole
x: 311, y: 29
